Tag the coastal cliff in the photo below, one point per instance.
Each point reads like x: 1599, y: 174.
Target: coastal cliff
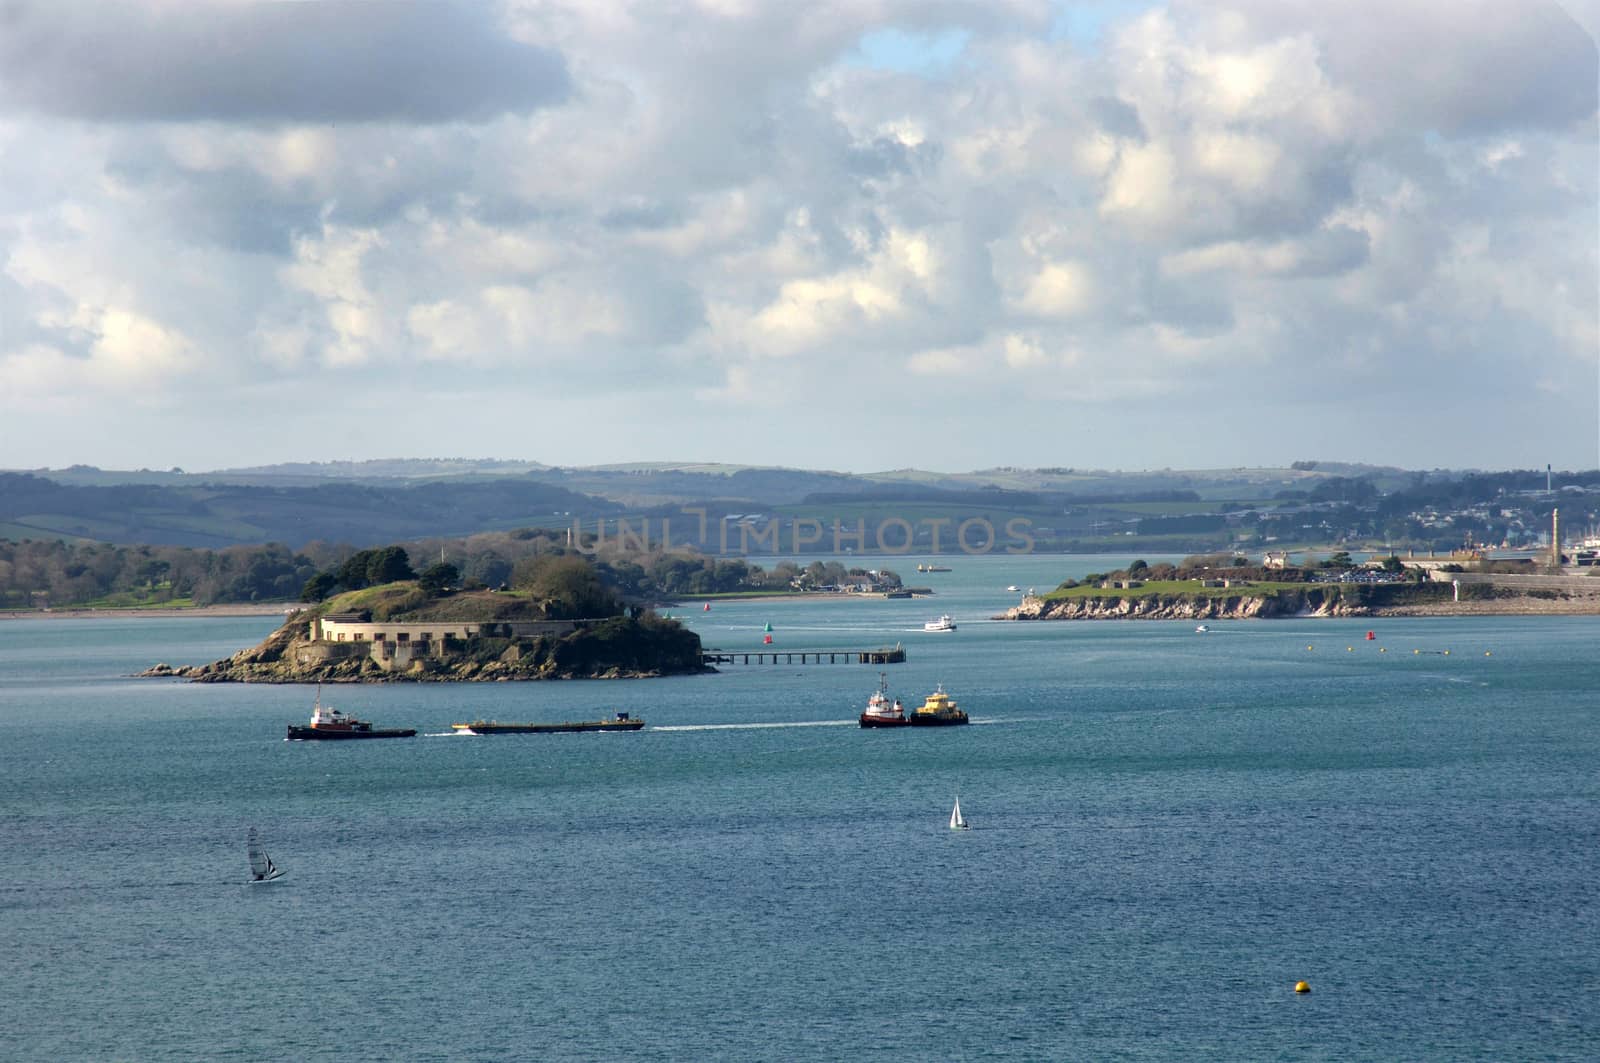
x: 1187, y: 607
x: 614, y: 648
x: 1320, y: 600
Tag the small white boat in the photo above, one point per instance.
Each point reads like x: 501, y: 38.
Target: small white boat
x: 1014, y: 588
x: 262, y: 869
x: 956, y: 820
x: 944, y: 623
x: 1201, y: 630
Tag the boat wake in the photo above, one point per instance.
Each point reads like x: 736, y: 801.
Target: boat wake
x: 753, y: 726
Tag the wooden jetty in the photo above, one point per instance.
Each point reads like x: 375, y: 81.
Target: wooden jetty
x: 895, y: 654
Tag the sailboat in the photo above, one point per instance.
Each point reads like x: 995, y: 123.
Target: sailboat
x: 262, y: 869
x: 956, y: 822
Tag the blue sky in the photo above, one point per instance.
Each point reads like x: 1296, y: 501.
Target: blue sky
x: 869, y: 235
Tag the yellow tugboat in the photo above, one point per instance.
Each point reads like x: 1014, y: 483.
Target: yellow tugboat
x: 938, y: 710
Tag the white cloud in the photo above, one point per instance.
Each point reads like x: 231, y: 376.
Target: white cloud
x: 730, y: 202
x: 1023, y: 352
x: 1058, y: 289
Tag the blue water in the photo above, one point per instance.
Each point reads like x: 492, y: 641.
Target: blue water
x: 1170, y: 830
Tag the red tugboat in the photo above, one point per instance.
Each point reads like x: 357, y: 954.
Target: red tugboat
x: 938, y: 710
x: 330, y: 723
x: 880, y: 711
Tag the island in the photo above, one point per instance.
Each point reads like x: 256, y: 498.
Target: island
x: 400, y: 632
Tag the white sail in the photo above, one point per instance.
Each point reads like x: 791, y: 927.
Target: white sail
x: 262, y: 869
x: 956, y: 822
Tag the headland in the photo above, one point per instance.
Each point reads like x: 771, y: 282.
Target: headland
x: 1560, y: 596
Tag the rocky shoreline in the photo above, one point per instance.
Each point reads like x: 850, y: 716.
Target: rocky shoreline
x: 616, y: 649
x: 1311, y: 603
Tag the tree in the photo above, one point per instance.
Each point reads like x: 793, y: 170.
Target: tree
x: 366, y: 568
x: 438, y: 578
x: 568, y: 587
x: 319, y: 587
x: 1392, y: 563
x: 389, y: 564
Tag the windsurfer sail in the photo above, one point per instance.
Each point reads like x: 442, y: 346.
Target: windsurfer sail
x: 262, y: 869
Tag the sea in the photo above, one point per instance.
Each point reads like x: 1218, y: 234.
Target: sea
x: 1170, y: 829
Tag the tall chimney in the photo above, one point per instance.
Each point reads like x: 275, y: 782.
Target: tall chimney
x: 1555, y: 538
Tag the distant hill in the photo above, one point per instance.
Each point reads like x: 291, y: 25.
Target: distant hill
x: 655, y: 483
x: 371, y: 503
x: 223, y: 514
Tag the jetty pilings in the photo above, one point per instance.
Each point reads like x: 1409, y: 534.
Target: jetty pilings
x: 895, y: 654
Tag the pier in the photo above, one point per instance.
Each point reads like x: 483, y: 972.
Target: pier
x: 895, y: 654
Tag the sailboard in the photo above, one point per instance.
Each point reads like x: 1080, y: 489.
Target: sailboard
x: 262, y: 869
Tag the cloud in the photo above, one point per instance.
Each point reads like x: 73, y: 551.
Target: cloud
x: 732, y: 206
x: 329, y: 61
x: 1462, y: 67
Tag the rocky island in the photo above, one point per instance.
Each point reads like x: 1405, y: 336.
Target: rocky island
x: 400, y: 633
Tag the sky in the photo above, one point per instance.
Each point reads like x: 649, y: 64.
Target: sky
x: 845, y: 234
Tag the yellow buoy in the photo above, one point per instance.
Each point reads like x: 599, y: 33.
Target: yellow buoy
x: 1447, y: 653
x: 1416, y: 651
x: 1383, y: 649
x: 1302, y: 987
x: 1349, y: 649
x: 1486, y: 653
x: 1308, y: 647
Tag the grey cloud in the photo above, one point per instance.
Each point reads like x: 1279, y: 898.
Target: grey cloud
x: 1117, y: 117
x: 333, y: 61
x: 641, y: 214
x: 1331, y: 252
x: 235, y: 208
x: 1463, y: 67
x: 1195, y: 310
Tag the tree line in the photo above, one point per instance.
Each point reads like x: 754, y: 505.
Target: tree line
x: 53, y: 573
x: 36, y: 573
